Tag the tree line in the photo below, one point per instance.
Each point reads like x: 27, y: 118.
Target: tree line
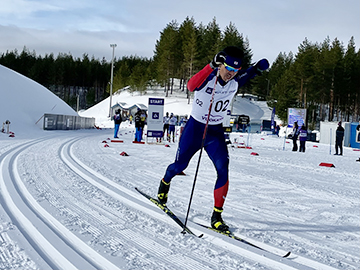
x: 182, y: 50
x: 66, y: 76
x: 321, y: 77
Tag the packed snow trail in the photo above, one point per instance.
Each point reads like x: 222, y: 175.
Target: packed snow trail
x: 84, y: 194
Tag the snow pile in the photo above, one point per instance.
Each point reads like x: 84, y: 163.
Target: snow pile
x: 23, y: 102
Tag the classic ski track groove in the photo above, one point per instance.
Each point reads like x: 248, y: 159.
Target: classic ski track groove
x: 193, y: 260
x: 128, y: 199
x: 58, y: 237
x: 301, y: 261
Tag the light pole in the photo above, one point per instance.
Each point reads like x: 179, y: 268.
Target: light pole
x: 77, y: 102
x: 112, y: 76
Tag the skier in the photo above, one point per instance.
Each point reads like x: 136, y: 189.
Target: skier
x: 339, y: 136
x: 228, y: 63
x: 117, y: 120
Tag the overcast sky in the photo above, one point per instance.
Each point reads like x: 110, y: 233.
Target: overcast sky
x: 90, y: 26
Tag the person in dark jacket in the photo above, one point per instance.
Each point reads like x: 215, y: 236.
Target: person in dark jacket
x: 140, y: 119
x: 339, y: 139
x: 302, y: 138
x: 295, y: 135
x: 117, y: 120
x: 137, y: 119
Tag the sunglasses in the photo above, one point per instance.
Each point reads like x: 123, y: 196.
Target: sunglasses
x: 229, y: 68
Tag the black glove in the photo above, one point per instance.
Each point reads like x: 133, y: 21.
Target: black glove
x: 219, y: 59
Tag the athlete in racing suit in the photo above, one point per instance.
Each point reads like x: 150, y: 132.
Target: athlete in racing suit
x: 230, y: 78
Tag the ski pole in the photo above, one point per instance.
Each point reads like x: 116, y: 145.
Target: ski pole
x: 330, y: 140
x: 201, y: 149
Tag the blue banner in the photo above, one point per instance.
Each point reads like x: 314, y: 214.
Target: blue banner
x: 273, y: 120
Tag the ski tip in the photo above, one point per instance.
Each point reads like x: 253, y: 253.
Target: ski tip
x: 287, y: 254
x: 201, y: 235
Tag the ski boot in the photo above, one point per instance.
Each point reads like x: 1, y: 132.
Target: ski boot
x: 163, y: 192
x: 217, y: 222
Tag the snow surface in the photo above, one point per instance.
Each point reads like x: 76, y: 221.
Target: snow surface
x: 68, y: 201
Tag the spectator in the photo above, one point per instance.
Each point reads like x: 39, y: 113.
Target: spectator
x: 277, y: 130
x: 302, y: 138
x: 166, y: 120
x: 172, y: 124
x: 117, y: 120
x: 295, y: 134
x: 339, y: 139
x: 140, y: 120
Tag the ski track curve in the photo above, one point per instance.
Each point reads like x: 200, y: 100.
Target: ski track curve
x: 54, y: 243
x: 94, y: 219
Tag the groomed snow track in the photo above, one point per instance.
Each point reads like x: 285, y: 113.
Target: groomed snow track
x: 74, y: 217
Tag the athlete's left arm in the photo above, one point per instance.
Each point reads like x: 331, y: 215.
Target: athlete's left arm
x: 244, y: 76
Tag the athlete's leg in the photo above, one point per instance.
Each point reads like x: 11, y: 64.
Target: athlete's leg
x: 189, y: 144
x: 216, y: 148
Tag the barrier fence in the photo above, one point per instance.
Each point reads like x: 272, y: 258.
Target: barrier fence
x: 67, y: 122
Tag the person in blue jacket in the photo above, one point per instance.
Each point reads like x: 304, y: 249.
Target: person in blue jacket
x: 228, y: 64
x: 117, y: 120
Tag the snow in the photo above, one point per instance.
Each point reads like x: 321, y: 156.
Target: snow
x: 26, y: 100
x: 68, y: 202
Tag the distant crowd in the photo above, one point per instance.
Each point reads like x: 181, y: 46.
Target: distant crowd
x: 170, y: 121
x: 140, y: 120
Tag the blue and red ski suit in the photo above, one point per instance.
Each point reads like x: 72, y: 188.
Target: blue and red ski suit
x: 215, y: 146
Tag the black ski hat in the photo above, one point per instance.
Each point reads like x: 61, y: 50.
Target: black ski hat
x: 234, y: 56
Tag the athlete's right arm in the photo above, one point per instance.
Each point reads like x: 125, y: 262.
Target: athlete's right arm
x: 199, y: 78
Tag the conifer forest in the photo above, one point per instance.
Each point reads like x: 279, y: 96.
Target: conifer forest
x: 322, y: 77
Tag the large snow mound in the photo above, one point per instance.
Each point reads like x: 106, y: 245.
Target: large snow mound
x: 23, y: 102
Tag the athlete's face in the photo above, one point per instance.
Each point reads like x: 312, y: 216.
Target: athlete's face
x: 226, y: 74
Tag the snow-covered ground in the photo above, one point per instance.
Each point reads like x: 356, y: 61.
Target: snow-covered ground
x: 68, y: 202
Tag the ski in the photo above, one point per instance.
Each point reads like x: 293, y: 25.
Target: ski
x: 187, y: 230
x: 169, y: 213
x: 233, y: 236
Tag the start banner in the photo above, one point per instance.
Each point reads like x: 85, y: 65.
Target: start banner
x: 155, y: 117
